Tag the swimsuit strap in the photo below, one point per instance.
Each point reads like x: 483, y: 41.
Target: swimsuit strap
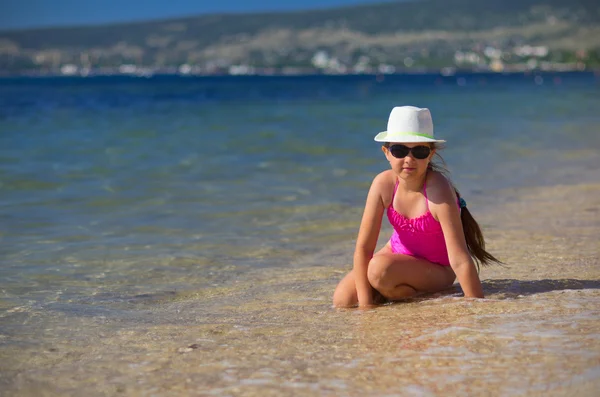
x: 425, y: 192
x: 394, y: 192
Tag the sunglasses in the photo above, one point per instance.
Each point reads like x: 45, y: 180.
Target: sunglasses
x: 419, y: 152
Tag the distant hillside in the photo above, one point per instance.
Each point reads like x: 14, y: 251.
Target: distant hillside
x: 267, y: 39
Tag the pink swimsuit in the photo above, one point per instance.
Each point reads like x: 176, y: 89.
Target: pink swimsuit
x: 421, y: 237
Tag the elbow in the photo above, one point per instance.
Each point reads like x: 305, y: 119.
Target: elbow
x: 362, y: 255
x: 462, y: 263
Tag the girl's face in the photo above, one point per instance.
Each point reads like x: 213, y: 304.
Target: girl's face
x: 409, y: 160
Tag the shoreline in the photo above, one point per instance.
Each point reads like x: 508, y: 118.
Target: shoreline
x: 379, y: 76
x: 274, y: 331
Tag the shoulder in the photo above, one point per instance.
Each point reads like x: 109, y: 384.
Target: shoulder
x: 439, y: 189
x: 384, y: 182
x: 384, y: 178
x: 383, y: 186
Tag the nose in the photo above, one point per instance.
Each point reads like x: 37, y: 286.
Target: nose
x: 410, y: 157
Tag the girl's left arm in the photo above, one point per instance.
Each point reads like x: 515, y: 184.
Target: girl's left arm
x: 445, y: 209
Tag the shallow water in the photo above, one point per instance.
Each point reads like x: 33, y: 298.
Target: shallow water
x: 148, y: 248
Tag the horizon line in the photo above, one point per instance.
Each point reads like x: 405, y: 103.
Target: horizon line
x: 176, y: 18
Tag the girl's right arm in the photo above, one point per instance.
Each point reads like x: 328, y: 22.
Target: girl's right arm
x: 366, y: 242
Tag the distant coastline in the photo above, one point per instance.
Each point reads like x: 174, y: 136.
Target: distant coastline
x: 266, y: 72
x: 391, y: 37
x: 458, y: 77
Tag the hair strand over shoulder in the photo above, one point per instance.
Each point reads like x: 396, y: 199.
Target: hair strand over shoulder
x: 473, y: 234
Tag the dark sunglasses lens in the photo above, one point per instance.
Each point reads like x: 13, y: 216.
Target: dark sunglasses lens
x: 399, y: 151
x: 421, y: 152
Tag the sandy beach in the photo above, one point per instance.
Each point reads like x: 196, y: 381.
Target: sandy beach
x: 274, y: 332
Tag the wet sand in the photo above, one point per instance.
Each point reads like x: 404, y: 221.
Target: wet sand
x: 273, y: 332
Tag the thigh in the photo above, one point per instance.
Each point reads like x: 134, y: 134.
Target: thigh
x: 390, y: 270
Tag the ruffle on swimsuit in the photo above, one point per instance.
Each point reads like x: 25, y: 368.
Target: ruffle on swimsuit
x: 421, y: 237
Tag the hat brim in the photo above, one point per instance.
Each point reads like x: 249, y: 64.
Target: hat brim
x: 384, y: 136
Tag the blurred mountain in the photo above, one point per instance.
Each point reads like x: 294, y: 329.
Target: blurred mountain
x: 419, y: 33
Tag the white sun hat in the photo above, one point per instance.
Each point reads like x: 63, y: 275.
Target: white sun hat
x: 408, y: 124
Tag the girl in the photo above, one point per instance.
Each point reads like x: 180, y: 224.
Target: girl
x: 435, y: 237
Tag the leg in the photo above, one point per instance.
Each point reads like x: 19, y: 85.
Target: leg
x: 398, y: 276
x: 345, y: 293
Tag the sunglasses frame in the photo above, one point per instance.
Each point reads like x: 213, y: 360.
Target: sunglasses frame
x: 410, y: 150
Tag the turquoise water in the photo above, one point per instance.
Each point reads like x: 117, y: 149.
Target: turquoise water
x: 102, y: 178
x: 121, y: 195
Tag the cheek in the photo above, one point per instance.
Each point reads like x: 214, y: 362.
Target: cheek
x: 391, y: 158
x: 398, y: 163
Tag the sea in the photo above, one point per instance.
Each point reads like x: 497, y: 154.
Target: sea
x: 183, y: 235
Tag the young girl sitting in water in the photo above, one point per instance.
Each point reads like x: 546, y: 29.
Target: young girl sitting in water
x: 435, y: 237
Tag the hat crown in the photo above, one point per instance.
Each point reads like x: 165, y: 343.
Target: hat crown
x: 410, y: 119
x: 408, y: 124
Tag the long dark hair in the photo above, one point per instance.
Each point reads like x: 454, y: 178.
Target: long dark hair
x: 473, y: 234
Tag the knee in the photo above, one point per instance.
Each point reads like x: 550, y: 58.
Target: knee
x: 343, y: 299
x: 377, y: 273
x: 345, y: 295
